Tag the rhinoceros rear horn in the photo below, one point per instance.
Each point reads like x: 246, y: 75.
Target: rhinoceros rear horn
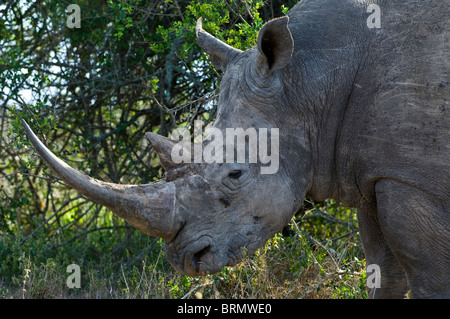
x: 174, y: 154
x: 163, y: 147
x: 219, y: 52
x: 149, y: 208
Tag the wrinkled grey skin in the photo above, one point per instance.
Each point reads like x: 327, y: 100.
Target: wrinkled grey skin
x: 364, y: 119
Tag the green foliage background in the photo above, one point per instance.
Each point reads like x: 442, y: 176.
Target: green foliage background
x: 91, y: 93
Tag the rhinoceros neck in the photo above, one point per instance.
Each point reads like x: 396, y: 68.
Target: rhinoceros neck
x: 328, y: 56
x: 366, y: 90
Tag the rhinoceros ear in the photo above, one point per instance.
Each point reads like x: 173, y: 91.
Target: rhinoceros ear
x: 275, y: 45
x: 219, y: 52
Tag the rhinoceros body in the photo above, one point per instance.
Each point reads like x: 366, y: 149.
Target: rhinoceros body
x: 363, y: 118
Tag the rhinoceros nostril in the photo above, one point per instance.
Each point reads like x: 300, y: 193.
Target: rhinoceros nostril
x: 197, y: 258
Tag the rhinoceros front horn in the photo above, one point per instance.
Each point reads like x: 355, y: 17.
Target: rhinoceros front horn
x: 149, y: 208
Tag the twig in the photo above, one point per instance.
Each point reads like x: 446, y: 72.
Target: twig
x: 125, y: 278
x: 50, y: 179
x: 328, y: 217
x: 342, y: 236
x: 195, y: 288
x: 81, y: 235
x: 48, y: 219
x: 317, y: 285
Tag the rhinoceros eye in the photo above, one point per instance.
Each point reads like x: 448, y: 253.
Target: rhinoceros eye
x: 235, y: 174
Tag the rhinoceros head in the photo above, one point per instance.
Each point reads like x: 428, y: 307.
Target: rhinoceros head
x: 210, y: 211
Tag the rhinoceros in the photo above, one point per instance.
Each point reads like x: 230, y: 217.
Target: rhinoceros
x: 363, y: 118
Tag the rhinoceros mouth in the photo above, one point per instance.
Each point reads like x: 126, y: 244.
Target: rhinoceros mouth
x: 199, y: 258
x: 208, y: 254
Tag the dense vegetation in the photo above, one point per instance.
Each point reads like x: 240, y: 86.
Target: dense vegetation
x: 91, y: 93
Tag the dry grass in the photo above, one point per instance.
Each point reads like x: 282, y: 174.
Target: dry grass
x: 291, y: 267
x: 319, y: 256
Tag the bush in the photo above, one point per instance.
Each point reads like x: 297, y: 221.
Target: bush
x: 91, y: 94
